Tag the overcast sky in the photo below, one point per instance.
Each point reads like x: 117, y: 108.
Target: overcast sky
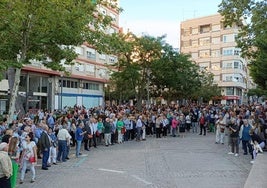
x: 160, y: 17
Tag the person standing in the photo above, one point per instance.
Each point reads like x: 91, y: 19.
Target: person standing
x: 93, y: 126
x: 188, y: 122
x: 107, y: 132
x: 13, y: 152
x: 202, y: 124
x: 45, y: 144
x: 174, y: 124
x: 233, y: 139
x: 5, y: 166
x: 29, y: 151
x: 220, y: 130
x: 194, y: 120
x: 63, y: 137
x: 119, y: 126
x: 139, y: 125
x: 53, y: 148
x: 165, y: 123
x: 86, y: 137
x: 245, y: 137
x: 158, y: 126
x: 79, y: 137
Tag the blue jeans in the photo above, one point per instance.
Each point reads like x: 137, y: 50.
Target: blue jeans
x: 45, y: 157
x: 78, y: 147
x: 62, y: 150
x: 194, y: 127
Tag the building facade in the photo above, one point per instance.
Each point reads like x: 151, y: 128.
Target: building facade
x: 42, y: 88
x: 213, y: 47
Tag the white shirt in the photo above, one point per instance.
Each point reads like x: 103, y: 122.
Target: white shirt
x: 63, y: 134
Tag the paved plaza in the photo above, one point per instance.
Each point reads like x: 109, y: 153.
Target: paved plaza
x: 173, y: 162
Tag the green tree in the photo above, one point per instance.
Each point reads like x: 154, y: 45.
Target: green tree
x: 252, y: 38
x: 46, y: 32
x: 136, y: 54
x: 174, y: 75
x: 208, y: 90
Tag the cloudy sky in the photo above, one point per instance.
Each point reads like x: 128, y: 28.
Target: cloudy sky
x: 163, y: 17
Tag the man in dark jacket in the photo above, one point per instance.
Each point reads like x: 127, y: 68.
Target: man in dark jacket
x: 86, y: 138
x: 45, y: 147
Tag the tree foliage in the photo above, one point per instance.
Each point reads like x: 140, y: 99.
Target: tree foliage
x: 147, y: 66
x: 252, y: 38
x: 47, y: 31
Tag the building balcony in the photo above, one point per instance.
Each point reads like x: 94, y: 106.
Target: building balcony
x: 232, y: 84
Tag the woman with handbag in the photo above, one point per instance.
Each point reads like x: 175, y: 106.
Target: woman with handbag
x: 29, y: 157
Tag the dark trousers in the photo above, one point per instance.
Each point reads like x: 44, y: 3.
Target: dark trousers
x: 165, y: 131
x: 202, y: 129
x: 246, y: 146
x: 92, y: 140
x: 45, y: 157
x: 127, y: 135
x: 158, y: 132
x: 62, y: 150
x: 233, y: 142
x: 86, y: 143
x: 5, y: 182
x: 132, y: 134
x: 113, y: 138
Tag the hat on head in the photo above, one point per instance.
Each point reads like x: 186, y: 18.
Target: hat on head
x: 3, y: 145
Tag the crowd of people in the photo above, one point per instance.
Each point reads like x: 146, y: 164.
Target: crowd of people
x: 49, y: 136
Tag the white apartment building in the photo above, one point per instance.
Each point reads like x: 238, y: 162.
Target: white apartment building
x: 43, y: 88
x: 212, y: 46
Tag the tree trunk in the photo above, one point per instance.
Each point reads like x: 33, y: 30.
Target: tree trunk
x: 14, y: 92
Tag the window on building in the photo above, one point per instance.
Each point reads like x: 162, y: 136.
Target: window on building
x: 215, y: 66
x: 79, y: 50
x: 194, y: 43
x: 227, y: 51
x: 229, y: 91
x: 227, y: 65
x: 91, y: 53
x: 215, y: 53
x: 216, y: 27
x: 204, y: 41
x: 204, y: 53
x: 204, y: 65
x: 236, y: 65
x: 90, y: 86
x: 112, y: 59
x: 186, y: 32
x: 194, y: 55
x: 236, y: 51
x: 204, y: 28
x: 90, y: 68
x: 194, y: 31
x: 186, y: 43
x: 102, y: 56
x: 216, y: 40
x: 229, y: 38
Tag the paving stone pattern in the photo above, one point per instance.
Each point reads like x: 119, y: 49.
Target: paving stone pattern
x: 190, y: 162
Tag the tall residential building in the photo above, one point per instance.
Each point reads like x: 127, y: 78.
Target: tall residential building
x: 212, y: 46
x: 42, y: 88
